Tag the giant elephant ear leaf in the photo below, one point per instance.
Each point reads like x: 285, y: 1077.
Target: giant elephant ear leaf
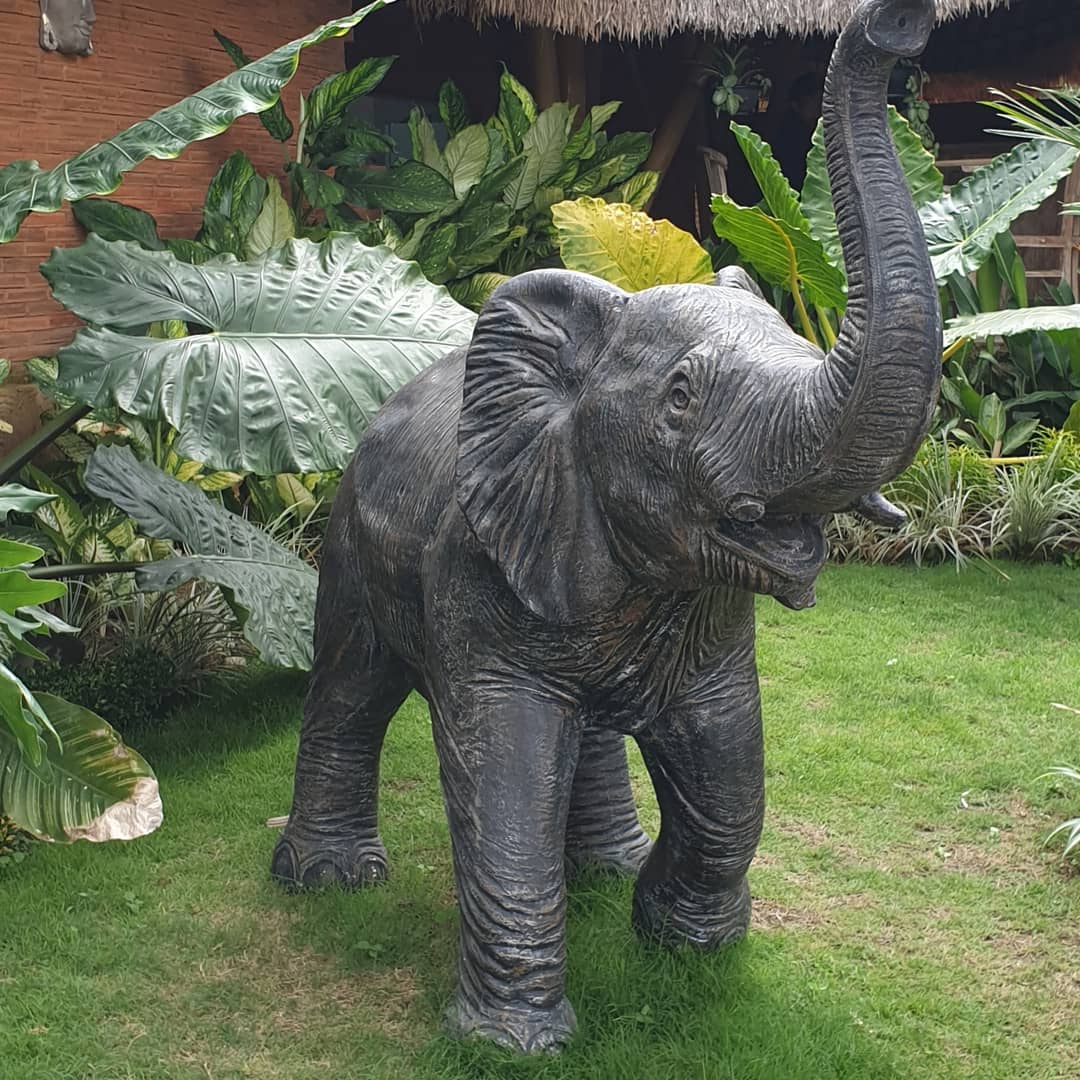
x: 1011, y: 321
x: 923, y: 178
x: 271, y: 591
x: 625, y: 247
x: 301, y: 346
x: 780, y: 197
x: 26, y: 187
x: 961, y: 226
x: 782, y: 253
x: 87, y: 786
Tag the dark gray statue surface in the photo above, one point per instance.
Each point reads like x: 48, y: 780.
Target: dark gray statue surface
x: 66, y: 26
x: 555, y: 535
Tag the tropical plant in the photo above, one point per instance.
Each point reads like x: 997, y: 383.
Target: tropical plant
x: 912, y: 103
x: 14, y: 843
x: 626, y: 247
x: 154, y: 652
x: 1042, y: 113
x: 265, y: 386
x: 960, y: 506
x: 1070, y: 829
x: 25, y: 187
x: 270, y: 590
x: 478, y: 208
x: 64, y: 773
x: 730, y: 72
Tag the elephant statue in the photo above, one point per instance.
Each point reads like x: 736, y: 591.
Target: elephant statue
x: 555, y: 534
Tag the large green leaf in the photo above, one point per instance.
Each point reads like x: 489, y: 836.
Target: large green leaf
x: 271, y: 590
x: 26, y: 187
x: 626, y: 247
x: 1013, y: 321
x: 88, y: 785
x: 320, y: 189
x: 21, y: 500
x: 273, y: 226
x: 961, y: 226
x: 635, y: 192
x: 274, y: 119
x: 232, y: 204
x: 780, y: 197
x: 113, y: 220
x: 542, y: 146
x: 923, y: 179
x: 304, y: 345
x: 335, y: 93
x: 411, y: 187
x: 453, y: 109
x: 516, y: 112
x: 466, y: 156
x: 783, y: 254
x: 425, y: 147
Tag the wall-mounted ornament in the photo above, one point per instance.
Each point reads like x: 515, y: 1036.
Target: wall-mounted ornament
x: 66, y: 26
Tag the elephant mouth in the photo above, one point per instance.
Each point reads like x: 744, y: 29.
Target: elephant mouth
x: 780, y: 555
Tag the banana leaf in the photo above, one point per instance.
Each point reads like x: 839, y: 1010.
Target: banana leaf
x: 271, y: 591
x: 25, y: 187
x: 626, y: 247
x: 88, y: 784
x: 302, y: 345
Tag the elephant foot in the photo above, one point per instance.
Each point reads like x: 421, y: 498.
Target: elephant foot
x: 520, y: 1028
x: 300, y: 863
x: 625, y: 857
x: 669, y: 914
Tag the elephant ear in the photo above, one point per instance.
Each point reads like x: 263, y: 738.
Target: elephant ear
x: 735, y: 277
x: 521, y: 484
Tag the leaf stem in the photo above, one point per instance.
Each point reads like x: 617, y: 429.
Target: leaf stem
x: 953, y: 349
x: 804, y: 315
x: 69, y: 570
x: 825, y: 323
x: 28, y: 448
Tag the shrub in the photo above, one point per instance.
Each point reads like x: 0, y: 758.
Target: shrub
x: 959, y: 506
x: 153, y: 653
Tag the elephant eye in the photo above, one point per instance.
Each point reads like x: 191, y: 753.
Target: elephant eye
x: 679, y: 396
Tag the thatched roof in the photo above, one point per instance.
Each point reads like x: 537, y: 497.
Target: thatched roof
x: 636, y: 19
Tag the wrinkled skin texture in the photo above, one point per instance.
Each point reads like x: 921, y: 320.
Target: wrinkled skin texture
x: 556, y: 535
x: 66, y: 26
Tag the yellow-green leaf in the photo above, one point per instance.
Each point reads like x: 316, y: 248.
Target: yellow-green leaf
x: 626, y: 247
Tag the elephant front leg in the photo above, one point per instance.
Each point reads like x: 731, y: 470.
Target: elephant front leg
x: 507, y: 758
x: 603, y: 831
x: 705, y: 756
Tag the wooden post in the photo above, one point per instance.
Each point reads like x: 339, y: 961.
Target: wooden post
x: 571, y: 52
x: 545, y: 67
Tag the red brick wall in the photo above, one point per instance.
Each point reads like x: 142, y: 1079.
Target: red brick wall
x: 147, y: 54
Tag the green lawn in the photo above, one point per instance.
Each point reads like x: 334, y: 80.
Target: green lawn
x: 907, y: 922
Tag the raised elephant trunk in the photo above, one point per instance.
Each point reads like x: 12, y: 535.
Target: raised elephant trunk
x: 876, y: 390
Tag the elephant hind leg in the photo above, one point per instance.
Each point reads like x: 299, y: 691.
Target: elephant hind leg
x: 603, y: 831
x: 356, y: 686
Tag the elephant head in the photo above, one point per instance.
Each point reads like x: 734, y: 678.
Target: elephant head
x: 684, y: 436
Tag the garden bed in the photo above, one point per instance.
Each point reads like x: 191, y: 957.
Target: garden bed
x: 908, y: 923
